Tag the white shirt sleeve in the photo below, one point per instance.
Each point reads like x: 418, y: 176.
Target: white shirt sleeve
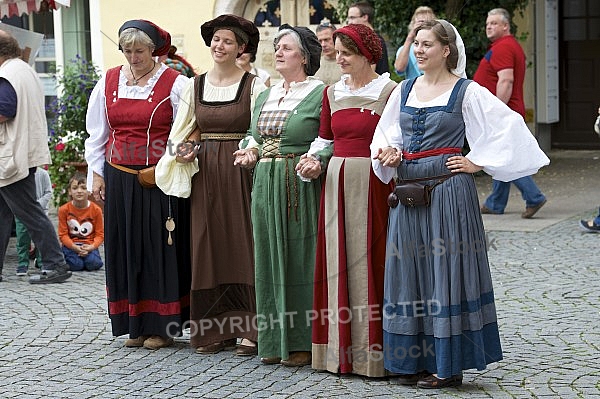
x: 318, y: 144
x: 97, y: 126
x: 498, y: 137
x: 177, y: 90
x: 387, y: 134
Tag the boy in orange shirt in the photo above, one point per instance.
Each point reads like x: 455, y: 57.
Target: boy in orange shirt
x: 80, y: 227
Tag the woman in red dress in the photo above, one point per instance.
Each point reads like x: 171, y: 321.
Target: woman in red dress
x: 348, y: 290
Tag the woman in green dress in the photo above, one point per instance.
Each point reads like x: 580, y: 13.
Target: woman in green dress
x: 284, y: 208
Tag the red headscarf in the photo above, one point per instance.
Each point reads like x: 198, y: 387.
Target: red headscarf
x: 366, y: 40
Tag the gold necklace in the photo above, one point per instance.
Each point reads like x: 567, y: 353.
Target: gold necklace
x: 136, y: 80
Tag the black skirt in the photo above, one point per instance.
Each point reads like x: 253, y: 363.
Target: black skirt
x: 148, y: 280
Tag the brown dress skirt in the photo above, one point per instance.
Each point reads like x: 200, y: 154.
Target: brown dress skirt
x: 223, y: 304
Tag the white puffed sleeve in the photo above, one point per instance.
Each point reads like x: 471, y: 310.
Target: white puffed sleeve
x: 498, y: 137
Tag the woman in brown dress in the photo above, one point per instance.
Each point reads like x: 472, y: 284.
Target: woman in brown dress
x: 215, y: 115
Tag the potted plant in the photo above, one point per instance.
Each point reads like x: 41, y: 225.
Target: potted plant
x: 66, y: 123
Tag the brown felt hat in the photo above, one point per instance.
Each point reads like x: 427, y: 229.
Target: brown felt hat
x: 242, y: 28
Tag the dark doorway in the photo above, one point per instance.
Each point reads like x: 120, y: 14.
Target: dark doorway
x: 579, y: 55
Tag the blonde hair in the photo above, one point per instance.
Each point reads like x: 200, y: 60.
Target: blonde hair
x: 421, y: 10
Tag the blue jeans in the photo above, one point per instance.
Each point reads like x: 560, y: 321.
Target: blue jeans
x: 498, y: 199
x: 77, y: 263
x: 597, y: 219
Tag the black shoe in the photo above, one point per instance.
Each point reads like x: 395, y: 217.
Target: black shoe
x: 433, y: 382
x: 408, y: 379
x: 60, y: 274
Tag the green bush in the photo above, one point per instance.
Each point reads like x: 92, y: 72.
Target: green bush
x: 66, y: 115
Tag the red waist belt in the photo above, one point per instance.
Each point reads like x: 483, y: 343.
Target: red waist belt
x: 429, y: 153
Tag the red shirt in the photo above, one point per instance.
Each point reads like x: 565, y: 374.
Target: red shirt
x: 504, y: 53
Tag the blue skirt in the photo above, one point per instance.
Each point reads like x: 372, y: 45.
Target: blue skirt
x: 439, y: 311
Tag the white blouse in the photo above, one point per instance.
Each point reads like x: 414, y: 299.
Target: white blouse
x: 498, y: 137
x: 286, y: 100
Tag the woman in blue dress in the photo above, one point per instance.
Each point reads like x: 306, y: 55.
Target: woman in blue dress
x: 439, y: 311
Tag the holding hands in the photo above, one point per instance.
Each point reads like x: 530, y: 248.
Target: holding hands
x: 309, y: 167
x: 389, y: 156
x: 246, y: 158
x: 187, y: 151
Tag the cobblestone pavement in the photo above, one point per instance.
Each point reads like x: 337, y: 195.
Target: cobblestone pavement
x: 55, y: 340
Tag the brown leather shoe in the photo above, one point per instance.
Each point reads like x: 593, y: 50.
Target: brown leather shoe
x: 298, y: 359
x: 408, y: 379
x: 210, y: 349
x: 157, y: 342
x: 487, y: 211
x: 136, y: 342
x: 530, y: 211
x: 433, y: 382
x: 230, y: 344
x: 270, y: 360
x: 246, y: 350
x: 217, y: 347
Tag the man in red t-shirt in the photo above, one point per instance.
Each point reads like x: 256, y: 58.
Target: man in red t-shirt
x: 502, y: 72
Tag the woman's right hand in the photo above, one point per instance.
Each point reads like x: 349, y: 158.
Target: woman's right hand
x: 246, y: 158
x: 187, y: 151
x: 389, y: 156
x: 98, y: 188
x: 308, y: 167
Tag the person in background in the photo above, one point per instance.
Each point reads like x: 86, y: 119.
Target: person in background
x: 329, y: 72
x: 146, y: 245
x: 43, y: 193
x: 592, y: 226
x: 438, y: 287
x: 502, y: 72
x: 406, y: 62
x: 178, y: 63
x: 363, y: 13
x: 353, y: 216
x: 285, y: 208
x: 25, y: 139
x: 80, y: 227
x: 214, y: 117
x: 246, y: 61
